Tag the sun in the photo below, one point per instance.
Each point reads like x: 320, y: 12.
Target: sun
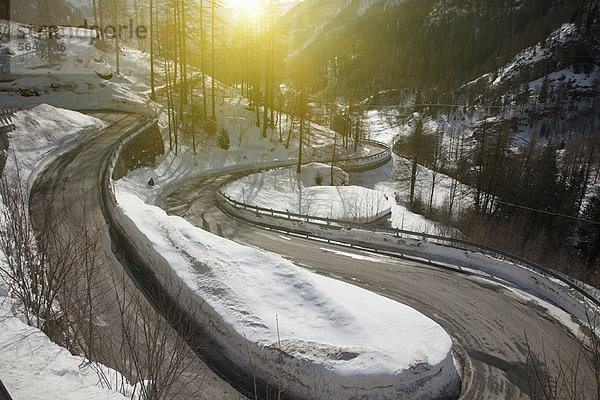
x: 246, y: 6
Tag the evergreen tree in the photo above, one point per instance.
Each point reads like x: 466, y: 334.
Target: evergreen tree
x: 590, y: 234
x: 223, y: 139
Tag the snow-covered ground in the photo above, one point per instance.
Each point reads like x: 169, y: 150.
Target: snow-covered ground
x: 31, y: 366
x: 325, y: 334
x: 41, y: 134
x: 372, y: 194
x: 393, y: 179
x: 310, y: 193
x: 318, y: 333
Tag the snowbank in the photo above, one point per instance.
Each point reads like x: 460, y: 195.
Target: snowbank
x: 317, y: 174
x: 285, y: 190
x: 43, y: 133
x: 314, y: 333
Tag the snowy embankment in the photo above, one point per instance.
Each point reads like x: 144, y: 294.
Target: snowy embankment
x: 438, y: 190
x: 310, y: 193
x: 31, y: 366
x: 307, y: 333
x: 42, y: 133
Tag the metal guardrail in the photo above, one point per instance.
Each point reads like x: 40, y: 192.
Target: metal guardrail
x: 353, y: 163
x: 332, y: 224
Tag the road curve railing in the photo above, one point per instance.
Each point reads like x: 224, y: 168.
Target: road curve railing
x: 372, y: 161
x: 379, y: 238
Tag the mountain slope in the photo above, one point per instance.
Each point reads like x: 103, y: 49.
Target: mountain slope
x: 550, y: 89
x: 381, y: 44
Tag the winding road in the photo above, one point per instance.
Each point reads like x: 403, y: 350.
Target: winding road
x: 488, y: 322
x: 491, y: 325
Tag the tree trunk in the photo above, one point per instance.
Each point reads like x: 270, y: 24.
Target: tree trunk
x: 202, y: 61
x: 212, y: 60
x: 413, y: 180
x: 152, y: 84
x: 98, y: 29
x: 116, y: 25
x: 333, y: 155
x: 101, y: 15
x: 299, y: 167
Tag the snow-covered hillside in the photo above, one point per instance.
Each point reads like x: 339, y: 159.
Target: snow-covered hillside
x: 77, y: 75
x: 365, y: 46
x: 335, y: 344
x: 272, y: 317
x: 49, y: 12
x: 549, y: 89
x: 311, y: 18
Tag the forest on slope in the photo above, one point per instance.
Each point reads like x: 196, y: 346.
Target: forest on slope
x: 418, y: 43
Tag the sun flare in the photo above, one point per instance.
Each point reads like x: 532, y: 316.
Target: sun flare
x: 247, y: 6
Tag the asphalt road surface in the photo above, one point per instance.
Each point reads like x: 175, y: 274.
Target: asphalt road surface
x: 492, y: 327
x: 71, y: 186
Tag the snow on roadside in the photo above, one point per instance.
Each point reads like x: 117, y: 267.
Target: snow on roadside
x: 355, y: 340
x: 284, y: 190
x: 43, y: 133
x: 31, y: 366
